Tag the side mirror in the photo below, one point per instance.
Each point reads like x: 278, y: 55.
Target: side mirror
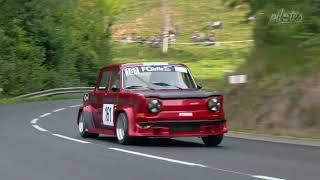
x: 199, y: 87
x: 114, y: 88
x: 85, y: 98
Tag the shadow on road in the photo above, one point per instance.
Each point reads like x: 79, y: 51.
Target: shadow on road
x: 158, y: 142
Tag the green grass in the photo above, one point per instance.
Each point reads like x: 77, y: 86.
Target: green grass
x: 207, y: 63
x: 145, y: 18
x: 138, y: 17
x: 191, y: 16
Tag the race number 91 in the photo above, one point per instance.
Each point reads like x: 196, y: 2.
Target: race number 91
x: 107, y: 115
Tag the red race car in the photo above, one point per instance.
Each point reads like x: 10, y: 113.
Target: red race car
x: 138, y: 100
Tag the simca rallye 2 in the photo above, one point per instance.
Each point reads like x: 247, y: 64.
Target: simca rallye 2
x: 137, y: 100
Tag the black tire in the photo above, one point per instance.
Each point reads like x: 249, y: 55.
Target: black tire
x: 212, y: 141
x: 82, y: 126
x: 122, y: 127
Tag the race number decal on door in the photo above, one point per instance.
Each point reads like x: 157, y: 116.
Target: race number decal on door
x: 107, y: 114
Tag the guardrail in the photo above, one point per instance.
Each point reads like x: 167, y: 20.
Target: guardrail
x: 57, y: 91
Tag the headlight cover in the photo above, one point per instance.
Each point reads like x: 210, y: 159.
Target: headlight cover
x: 214, y: 104
x: 154, y: 106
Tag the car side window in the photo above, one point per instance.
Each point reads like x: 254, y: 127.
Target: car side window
x: 104, y: 82
x: 115, y: 80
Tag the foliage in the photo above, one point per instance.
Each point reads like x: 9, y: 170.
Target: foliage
x: 52, y: 43
x: 286, y: 22
x: 282, y: 69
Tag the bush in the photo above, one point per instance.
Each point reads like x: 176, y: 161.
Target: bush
x: 52, y: 43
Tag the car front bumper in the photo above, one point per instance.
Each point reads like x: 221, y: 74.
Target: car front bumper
x: 178, y: 128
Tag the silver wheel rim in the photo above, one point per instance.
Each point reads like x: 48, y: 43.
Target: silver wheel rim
x: 81, y: 126
x: 120, y: 130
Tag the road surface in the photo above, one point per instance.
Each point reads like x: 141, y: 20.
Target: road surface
x: 39, y: 141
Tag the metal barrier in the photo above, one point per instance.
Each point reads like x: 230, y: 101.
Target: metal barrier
x: 57, y: 91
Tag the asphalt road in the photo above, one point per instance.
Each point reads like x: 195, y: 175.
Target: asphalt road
x: 35, y: 145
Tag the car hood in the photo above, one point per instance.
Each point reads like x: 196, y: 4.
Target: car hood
x: 178, y: 94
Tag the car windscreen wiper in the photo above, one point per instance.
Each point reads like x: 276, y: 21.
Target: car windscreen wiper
x: 147, y: 83
x: 166, y: 84
x: 137, y: 87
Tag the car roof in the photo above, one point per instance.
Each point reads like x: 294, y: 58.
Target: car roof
x: 141, y: 64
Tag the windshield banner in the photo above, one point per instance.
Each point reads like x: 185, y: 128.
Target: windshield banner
x: 141, y: 69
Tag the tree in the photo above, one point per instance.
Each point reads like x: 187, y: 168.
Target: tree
x: 53, y: 43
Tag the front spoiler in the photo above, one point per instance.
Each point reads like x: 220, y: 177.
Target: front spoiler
x: 164, y: 128
x: 182, y: 122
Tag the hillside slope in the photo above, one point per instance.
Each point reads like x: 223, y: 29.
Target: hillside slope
x: 282, y: 95
x: 208, y: 63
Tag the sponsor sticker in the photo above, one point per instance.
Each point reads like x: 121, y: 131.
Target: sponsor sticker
x: 156, y: 69
x: 107, y: 114
x: 181, y: 69
x: 185, y: 114
x: 132, y: 71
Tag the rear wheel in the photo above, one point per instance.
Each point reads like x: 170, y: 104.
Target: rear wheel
x: 82, y: 127
x: 212, y: 140
x: 122, y: 130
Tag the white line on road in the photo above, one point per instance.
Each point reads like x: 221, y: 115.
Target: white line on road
x: 57, y: 110
x: 266, y: 177
x: 34, y: 121
x: 192, y: 164
x: 44, y: 115
x: 71, y: 139
x: 157, y: 157
x: 39, y: 128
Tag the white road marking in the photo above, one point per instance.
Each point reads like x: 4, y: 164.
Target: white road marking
x: 44, y: 115
x: 71, y: 139
x: 39, y: 128
x: 266, y: 177
x: 229, y: 171
x: 57, y: 110
x: 34, y: 121
x: 157, y: 157
x: 192, y: 164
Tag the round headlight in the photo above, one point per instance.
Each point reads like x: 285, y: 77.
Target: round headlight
x: 154, y: 106
x: 214, y: 104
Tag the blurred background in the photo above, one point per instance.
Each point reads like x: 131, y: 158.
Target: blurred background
x: 275, y: 44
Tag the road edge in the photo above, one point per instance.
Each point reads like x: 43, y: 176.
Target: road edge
x: 274, y: 139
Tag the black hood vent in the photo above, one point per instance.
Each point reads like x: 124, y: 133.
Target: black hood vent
x: 179, y: 94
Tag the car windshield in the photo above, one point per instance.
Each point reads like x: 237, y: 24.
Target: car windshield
x: 157, y: 77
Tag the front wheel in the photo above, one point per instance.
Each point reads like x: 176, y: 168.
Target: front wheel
x: 82, y: 127
x: 122, y: 130
x: 212, y: 140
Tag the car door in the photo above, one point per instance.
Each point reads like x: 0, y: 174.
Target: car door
x: 111, y: 99
x: 99, y: 96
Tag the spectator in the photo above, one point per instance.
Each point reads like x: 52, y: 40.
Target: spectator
x: 172, y: 37
x: 196, y: 37
x: 211, y: 37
